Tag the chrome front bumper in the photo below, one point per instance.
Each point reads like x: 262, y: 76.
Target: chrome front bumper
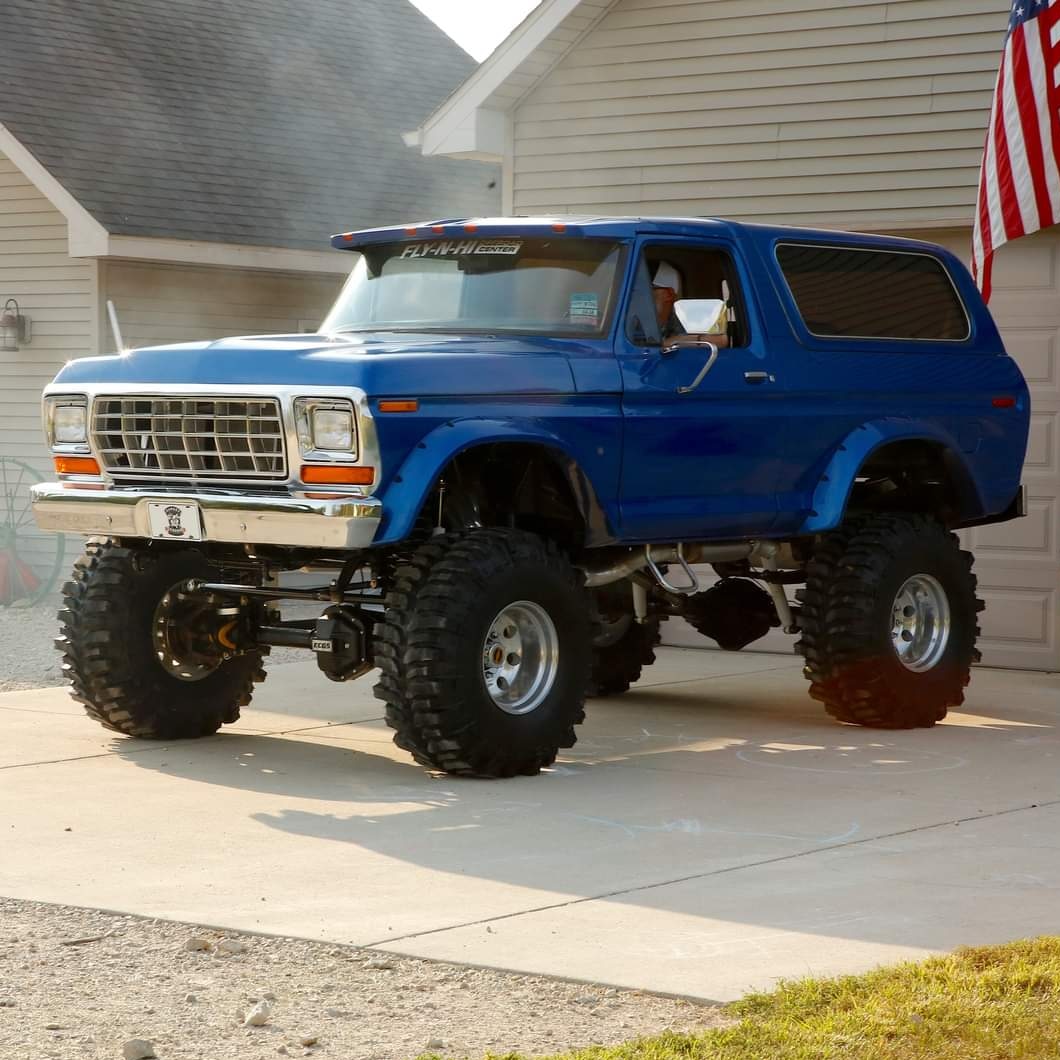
x: 241, y: 518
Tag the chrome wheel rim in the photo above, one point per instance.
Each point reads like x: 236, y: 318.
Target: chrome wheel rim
x: 520, y: 657
x: 921, y: 623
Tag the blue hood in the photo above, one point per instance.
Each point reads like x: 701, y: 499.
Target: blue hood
x: 423, y: 365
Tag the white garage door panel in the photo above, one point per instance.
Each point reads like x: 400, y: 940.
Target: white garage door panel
x: 1030, y: 538
x: 1017, y: 617
x: 1020, y: 621
x: 1041, y: 445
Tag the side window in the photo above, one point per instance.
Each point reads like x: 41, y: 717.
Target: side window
x: 686, y: 272
x: 841, y: 292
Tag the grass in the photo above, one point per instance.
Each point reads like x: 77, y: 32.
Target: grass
x: 991, y: 1003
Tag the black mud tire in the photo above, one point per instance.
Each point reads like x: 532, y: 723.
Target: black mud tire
x: 429, y: 651
x: 619, y: 659
x: 109, y: 655
x: 847, y: 619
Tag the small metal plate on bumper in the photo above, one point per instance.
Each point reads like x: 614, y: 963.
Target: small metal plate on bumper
x: 175, y: 520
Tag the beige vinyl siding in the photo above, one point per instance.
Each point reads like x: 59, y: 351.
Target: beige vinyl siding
x: 58, y: 294
x: 548, y: 53
x: 159, y: 303
x: 55, y: 291
x: 848, y: 112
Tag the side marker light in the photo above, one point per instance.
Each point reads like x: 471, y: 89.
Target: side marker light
x: 76, y: 465
x: 337, y: 475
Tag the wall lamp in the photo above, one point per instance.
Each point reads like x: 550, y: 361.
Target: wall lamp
x: 14, y: 327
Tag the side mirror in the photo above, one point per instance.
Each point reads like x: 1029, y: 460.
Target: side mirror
x: 700, y: 316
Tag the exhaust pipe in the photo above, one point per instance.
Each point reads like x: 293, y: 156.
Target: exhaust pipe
x: 637, y: 560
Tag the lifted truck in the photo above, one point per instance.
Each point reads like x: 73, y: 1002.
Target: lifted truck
x: 505, y: 454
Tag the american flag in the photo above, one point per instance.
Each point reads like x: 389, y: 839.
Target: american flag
x: 1019, y: 188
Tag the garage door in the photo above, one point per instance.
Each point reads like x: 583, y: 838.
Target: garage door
x: 1018, y: 563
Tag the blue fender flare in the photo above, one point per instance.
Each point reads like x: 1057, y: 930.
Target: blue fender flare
x: 834, y: 487
x: 408, y: 489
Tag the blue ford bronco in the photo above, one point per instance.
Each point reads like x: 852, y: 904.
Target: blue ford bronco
x: 511, y: 452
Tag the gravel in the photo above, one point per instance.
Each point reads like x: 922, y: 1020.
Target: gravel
x: 28, y: 658
x: 94, y: 1000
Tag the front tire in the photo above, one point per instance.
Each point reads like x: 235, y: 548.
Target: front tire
x: 110, y: 640
x: 889, y: 622
x: 484, y: 653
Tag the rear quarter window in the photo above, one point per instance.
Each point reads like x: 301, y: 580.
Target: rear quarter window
x: 842, y: 292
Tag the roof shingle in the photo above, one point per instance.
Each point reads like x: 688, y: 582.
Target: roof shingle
x: 265, y: 122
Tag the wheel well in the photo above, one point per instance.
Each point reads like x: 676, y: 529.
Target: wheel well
x: 915, y: 475
x: 517, y: 484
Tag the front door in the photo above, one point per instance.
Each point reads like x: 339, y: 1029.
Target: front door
x: 701, y: 465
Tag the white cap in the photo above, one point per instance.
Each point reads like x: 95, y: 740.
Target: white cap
x: 667, y: 276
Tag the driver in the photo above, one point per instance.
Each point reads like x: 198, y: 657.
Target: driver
x: 666, y: 290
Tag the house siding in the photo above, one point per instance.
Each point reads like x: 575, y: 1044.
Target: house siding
x: 159, y: 303
x: 58, y: 294
x: 829, y: 112
x: 55, y: 291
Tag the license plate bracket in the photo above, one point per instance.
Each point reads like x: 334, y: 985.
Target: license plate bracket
x: 175, y: 520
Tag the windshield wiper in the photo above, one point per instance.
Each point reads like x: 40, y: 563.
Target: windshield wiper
x: 356, y: 328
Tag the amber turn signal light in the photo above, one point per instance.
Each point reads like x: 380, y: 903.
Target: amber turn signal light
x: 76, y: 465
x: 337, y: 475
x: 404, y: 405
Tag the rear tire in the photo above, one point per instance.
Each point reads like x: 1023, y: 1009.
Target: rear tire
x: 453, y: 705
x: 889, y: 622
x: 622, y: 647
x: 110, y: 655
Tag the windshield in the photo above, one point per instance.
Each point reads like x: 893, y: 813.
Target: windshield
x: 525, y: 286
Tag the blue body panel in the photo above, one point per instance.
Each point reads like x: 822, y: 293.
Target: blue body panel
x: 727, y: 461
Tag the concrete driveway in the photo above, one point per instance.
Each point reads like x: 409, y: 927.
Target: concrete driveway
x: 712, y: 831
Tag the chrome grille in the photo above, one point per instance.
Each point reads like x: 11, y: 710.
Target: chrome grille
x: 189, y: 438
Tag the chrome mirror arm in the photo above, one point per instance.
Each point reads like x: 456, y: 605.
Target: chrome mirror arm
x: 674, y: 347
x: 703, y: 371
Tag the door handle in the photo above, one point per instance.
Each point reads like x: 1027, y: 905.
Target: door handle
x: 758, y: 377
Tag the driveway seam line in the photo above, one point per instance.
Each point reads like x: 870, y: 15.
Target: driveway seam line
x: 717, y: 872
x: 75, y: 758
x: 716, y: 677
x: 329, y: 725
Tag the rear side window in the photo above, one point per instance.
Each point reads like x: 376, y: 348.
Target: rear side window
x: 872, y: 294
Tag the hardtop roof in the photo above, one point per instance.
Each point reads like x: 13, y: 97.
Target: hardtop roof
x: 596, y: 226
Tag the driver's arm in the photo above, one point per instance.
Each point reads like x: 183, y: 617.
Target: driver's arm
x: 684, y: 339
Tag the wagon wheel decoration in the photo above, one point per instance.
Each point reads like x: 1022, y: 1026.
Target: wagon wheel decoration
x: 30, y: 559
